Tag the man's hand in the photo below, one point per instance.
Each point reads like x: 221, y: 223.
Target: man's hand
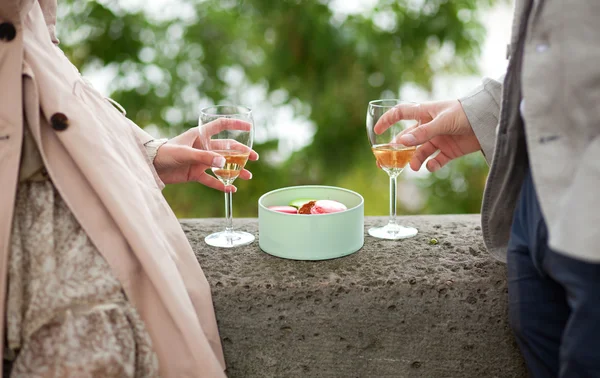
x: 442, y: 126
x: 182, y: 158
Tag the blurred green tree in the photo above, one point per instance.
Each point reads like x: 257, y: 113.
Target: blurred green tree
x: 288, y: 54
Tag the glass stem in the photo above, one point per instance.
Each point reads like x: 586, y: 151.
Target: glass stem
x: 228, y: 212
x: 393, y: 196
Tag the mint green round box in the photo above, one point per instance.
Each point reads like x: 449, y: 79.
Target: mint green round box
x: 311, y: 237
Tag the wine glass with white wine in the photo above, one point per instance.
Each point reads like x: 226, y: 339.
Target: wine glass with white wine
x: 392, y: 157
x: 229, y: 131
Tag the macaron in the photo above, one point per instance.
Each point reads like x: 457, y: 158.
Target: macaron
x: 284, y: 209
x: 327, y: 207
x: 298, y: 203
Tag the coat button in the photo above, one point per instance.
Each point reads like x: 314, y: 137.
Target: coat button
x: 59, y: 121
x: 7, y: 31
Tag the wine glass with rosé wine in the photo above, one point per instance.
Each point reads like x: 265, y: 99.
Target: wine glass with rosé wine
x: 233, y: 140
x: 391, y: 157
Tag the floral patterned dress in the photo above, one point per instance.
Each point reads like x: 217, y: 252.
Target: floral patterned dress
x: 66, y: 312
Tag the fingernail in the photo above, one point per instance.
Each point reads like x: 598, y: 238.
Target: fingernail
x: 250, y: 173
x: 218, y: 161
x: 408, y: 139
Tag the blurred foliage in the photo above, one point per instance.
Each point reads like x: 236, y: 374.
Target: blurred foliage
x: 304, y: 55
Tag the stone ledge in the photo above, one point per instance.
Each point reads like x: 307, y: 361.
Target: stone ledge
x: 393, y: 309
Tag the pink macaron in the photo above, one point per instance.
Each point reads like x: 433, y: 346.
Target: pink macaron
x: 284, y: 209
x: 327, y: 207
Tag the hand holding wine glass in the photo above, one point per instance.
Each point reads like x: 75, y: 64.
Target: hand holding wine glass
x: 184, y: 159
x: 392, y: 156
x: 442, y: 125
x: 228, y: 130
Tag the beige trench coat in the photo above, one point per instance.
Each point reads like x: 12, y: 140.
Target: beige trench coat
x: 95, y: 157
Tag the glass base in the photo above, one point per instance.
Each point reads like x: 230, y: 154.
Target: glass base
x: 231, y: 239
x: 393, y: 232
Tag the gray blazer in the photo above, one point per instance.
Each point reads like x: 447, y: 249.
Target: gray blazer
x: 554, y: 67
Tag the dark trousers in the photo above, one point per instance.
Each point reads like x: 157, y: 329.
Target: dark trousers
x: 6, y: 368
x: 554, y: 300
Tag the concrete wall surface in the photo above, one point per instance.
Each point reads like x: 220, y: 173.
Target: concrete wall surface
x: 405, y: 308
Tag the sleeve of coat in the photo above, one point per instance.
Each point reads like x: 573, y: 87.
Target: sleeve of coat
x: 482, y: 107
x: 49, y: 11
x: 142, y: 136
x: 151, y: 145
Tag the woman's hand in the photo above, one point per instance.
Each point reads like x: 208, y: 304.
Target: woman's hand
x: 182, y: 158
x: 443, y: 126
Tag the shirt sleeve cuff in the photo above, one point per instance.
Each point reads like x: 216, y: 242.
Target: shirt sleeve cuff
x: 152, y: 147
x: 482, y: 107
